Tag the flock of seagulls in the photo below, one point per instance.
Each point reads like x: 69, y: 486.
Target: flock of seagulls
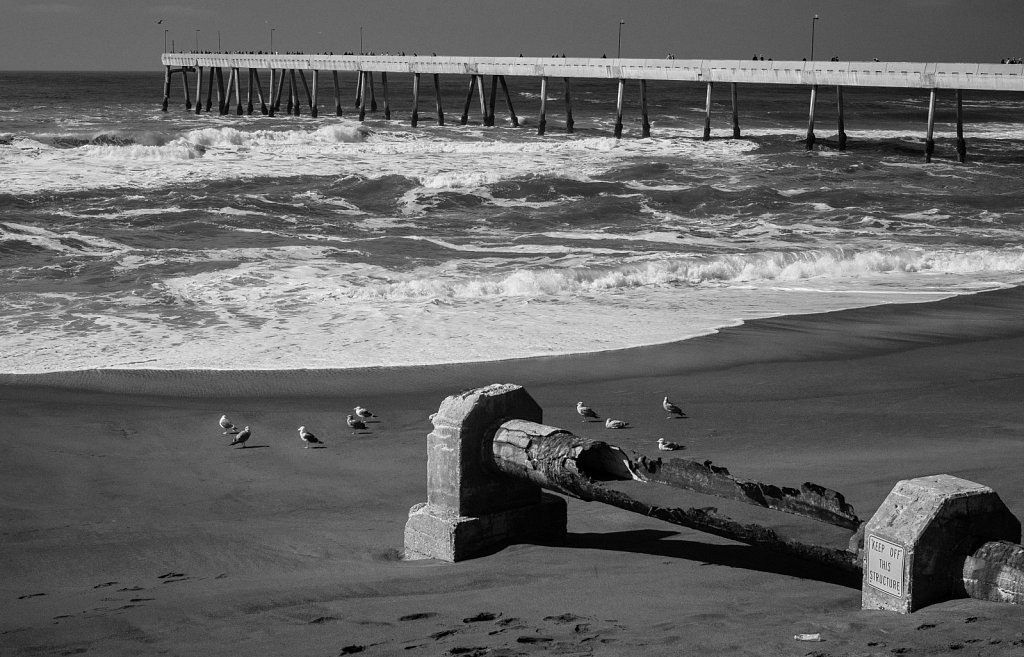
x: 673, y: 410
x: 355, y: 422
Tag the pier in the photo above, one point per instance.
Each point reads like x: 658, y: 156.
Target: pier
x: 285, y: 73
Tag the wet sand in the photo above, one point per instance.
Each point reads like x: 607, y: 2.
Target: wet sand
x: 129, y: 526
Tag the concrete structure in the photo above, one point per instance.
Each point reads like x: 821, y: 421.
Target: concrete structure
x: 489, y: 461
x: 919, y: 75
x: 470, y: 510
x: 917, y: 543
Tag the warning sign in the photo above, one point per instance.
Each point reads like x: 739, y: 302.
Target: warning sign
x: 885, y: 566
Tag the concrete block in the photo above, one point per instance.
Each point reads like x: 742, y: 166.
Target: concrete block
x: 471, y: 507
x: 916, y: 544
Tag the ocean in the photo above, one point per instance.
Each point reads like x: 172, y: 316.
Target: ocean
x: 134, y: 238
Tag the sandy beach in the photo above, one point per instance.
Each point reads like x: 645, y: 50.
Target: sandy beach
x: 129, y: 526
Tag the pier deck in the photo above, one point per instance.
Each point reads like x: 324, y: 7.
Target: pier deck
x: 921, y: 75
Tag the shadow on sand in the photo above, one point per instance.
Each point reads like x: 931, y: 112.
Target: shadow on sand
x: 653, y: 541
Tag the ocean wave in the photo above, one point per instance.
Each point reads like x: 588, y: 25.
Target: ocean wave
x: 17, y: 238
x: 312, y: 276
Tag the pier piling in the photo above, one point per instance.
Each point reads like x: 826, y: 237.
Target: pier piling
x: 469, y: 101
x: 259, y: 91
x: 733, y: 93
x: 387, y: 98
x: 248, y: 94
x: 437, y: 98
x: 542, y: 122
x: 707, y: 113
x: 961, y: 145
x: 199, y: 89
x: 337, y: 94
x: 209, y: 90
x: 314, y: 99
x: 167, y: 88
x: 842, y: 121
x: 480, y: 95
x: 810, y: 117
x: 929, y: 140
x: 238, y: 94
x: 365, y: 77
x: 569, y: 122
x: 280, y: 89
x: 416, y: 98
x: 618, y: 108
x: 646, y: 130
x: 221, y: 99
x: 508, y: 101
x: 490, y: 100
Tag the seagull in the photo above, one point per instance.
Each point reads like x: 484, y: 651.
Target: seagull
x: 586, y: 412
x: 363, y: 412
x: 308, y: 438
x: 672, y: 409
x: 159, y: 21
x: 241, y: 438
x: 355, y: 424
x: 225, y: 424
x: 615, y: 424
x: 666, y: 446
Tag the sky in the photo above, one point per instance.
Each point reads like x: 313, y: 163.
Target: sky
x: 128, y: 35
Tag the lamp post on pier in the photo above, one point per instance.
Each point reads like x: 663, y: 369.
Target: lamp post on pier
x: 197, y: 40
x: 219, y: 49
x: 360, y: 39
x: 272, y: 40
x: 165, y: 40
x: 813, y: 21
x: 618, y: 52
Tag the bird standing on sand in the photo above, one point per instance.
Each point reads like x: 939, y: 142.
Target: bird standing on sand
x: 355, y: 423
x: 241, y: 437
x: 225, y: 424
x: 363, y: 412
x: 586, y: 412
x: 672, y: 409
x: 308, y: 438
x: 615, y: 424
x: 667, y: 446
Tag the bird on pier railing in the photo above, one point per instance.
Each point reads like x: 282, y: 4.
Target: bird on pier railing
x: 586, y: 412
x: 672, y: 409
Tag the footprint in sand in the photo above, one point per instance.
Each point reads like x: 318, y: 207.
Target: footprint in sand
x: 482, y: 616
x: 172, y: 577
x: 442, y: 634
x: 104, y: 585
x: 30, y: 595
x: 419, y: 616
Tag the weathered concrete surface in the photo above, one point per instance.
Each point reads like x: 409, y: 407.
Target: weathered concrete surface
x: 470, y: 510
x: 916, y: 544
x: 995, y: 572
x: 810, y: 500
